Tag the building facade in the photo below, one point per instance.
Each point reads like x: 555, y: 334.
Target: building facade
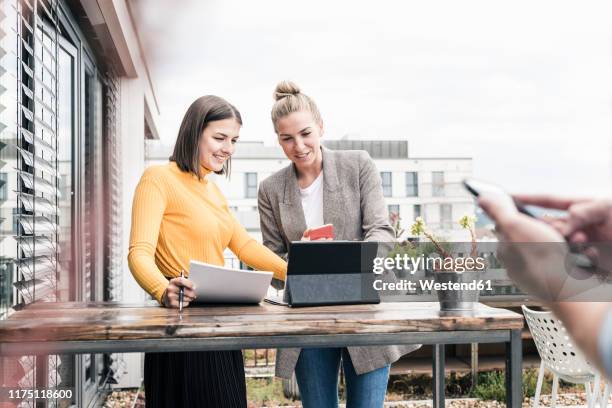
x: 69, y: 71
x: 426, y: 187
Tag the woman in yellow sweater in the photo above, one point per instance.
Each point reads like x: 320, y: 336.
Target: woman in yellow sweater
x: 179, y: 215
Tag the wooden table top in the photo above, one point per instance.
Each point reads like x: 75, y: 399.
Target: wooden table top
x: 71, y: 321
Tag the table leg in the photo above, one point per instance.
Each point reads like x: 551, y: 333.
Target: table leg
x: 514, y: 368
x: 438, y: 387
x: 474, y: 364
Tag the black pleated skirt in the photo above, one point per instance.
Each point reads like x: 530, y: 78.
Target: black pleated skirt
x: 195, y: 379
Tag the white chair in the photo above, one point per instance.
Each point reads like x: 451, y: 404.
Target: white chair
x: 558, y: 354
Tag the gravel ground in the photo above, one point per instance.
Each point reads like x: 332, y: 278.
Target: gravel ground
x: 125, y: 399
x: 563, y: 400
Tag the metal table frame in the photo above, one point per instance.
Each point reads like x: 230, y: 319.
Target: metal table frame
x: 511, y: 338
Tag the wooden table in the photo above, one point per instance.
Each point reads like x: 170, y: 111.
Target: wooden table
x: 103, y: 327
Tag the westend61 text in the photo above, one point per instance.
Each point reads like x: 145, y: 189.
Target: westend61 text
x: 425, y: 284
x: 413, y: 264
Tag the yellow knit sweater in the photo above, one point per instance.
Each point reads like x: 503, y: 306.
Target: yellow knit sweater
x: 177, y: 218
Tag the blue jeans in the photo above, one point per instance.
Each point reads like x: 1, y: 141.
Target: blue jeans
x: 316, y: 372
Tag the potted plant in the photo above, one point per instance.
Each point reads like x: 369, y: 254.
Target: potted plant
x: 458, y: 282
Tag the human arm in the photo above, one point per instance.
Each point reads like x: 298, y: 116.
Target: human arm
x: 586, y: 223
x: 535, y: 255
x: 533, y: 252
x: 147, y: 212
x: 254, y: 254
x: 590, y: 325
x: 586, y: 219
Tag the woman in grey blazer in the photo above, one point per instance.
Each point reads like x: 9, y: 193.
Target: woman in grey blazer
x: 319, y: 187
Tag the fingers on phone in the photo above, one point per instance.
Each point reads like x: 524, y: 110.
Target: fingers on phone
x: 578, y: 237
x: 558, y: 224
x: 547, y: 201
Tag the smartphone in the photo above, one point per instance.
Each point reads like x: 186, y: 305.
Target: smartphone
x: 477, y: 187
x: 324, y: 231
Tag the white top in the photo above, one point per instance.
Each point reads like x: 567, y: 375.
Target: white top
x: 312, y: 202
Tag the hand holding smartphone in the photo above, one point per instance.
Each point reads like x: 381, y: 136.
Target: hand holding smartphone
x: 477, y: 187
x: 323, y: 232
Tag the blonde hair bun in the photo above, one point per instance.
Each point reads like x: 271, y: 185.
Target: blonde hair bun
x: 288, y: 99
x: 284, y: 89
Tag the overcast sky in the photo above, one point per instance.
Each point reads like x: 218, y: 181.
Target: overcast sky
x: 522, y: 87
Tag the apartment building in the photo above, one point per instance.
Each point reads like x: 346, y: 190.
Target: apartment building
x: 428, y: 187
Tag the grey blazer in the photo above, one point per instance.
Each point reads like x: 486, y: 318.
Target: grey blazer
x: 353, y: 202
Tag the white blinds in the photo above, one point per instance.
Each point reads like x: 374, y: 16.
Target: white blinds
x: 37, y: 193
x: 33, y: 171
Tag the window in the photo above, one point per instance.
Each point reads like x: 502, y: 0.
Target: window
x: 91, y: 217
x: 3, y: 186
x: 15, y: 220
x: 417, y: 211
x: 437, y: 183
x: 250, y: 185
x: 6, y: 286
x: 386, y: 183
x: 393, y: 209
x: 66, y: 139
x: 446, y: 218
x: 412, y: 184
